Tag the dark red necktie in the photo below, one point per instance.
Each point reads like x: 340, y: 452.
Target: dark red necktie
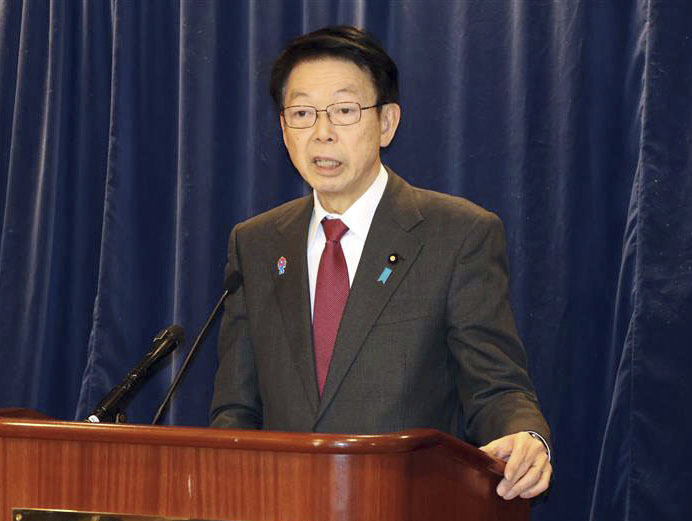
x: 331, y: 293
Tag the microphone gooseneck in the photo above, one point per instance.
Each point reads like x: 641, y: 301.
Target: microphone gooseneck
x: 231, y: 284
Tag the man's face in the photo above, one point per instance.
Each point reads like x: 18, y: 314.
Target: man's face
x: 339, y: 162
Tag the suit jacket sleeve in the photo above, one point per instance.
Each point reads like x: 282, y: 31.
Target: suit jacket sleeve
x: 496, y: 394
x: 236, y: 402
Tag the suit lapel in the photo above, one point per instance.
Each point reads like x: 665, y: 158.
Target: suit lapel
x: 293, y: 293
x: 396, y: 215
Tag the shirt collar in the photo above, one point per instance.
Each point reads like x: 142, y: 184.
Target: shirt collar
x: 359, y: 215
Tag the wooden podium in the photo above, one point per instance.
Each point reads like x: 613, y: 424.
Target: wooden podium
x: 219, y: 474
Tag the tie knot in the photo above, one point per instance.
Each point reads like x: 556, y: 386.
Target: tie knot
x: 334, y: 229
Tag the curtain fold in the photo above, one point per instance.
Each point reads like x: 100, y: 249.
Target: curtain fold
x: 641, y: 474
x: 134, y: 135
x: 54, y: 122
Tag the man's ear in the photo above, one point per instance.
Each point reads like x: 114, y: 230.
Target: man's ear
x: 389, y: 122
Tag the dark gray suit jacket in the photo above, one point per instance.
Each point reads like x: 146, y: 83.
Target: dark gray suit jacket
x: 435, y: 346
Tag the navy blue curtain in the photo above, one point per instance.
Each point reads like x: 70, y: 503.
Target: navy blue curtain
x: 134, y: 135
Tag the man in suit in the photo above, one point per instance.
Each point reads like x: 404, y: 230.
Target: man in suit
x: 371, y: 306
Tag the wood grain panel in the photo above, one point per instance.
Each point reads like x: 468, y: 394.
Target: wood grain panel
x: 234, y: 475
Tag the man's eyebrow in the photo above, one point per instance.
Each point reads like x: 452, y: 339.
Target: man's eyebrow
x: 350, y: 90
x: 300, y: 94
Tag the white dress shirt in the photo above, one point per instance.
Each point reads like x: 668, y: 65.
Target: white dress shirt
x: 358, y: 218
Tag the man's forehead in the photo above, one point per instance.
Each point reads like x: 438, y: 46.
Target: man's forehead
x: 328, y: 77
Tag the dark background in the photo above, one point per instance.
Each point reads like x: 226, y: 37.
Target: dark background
x: 134, y: 135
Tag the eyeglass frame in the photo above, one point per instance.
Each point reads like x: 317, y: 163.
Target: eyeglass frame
x: 326, y: 110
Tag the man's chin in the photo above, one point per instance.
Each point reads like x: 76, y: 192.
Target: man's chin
x: 327, y: 184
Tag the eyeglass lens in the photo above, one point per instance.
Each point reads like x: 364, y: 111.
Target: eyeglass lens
x: 305, y: 116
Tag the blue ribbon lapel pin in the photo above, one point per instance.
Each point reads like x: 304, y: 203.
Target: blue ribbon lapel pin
x: 392, y: 259
x: 386, y: 272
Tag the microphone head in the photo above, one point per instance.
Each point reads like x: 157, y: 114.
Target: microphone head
x: 166, y: 341
x: 176, y: 332
x: 233, y: 282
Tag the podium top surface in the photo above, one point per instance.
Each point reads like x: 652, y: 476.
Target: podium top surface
x: 390, y: 443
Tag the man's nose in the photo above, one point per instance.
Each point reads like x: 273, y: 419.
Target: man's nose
x: 324, y: 128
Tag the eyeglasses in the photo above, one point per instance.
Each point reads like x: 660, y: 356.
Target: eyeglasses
x: 340, y: 114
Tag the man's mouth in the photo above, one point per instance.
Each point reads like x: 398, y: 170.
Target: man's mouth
x: 326, y: 163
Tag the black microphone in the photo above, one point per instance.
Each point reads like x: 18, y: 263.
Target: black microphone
x: 230, y: 285
x: 164, y: 343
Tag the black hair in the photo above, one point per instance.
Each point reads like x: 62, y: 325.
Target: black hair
x: 342, y: 42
